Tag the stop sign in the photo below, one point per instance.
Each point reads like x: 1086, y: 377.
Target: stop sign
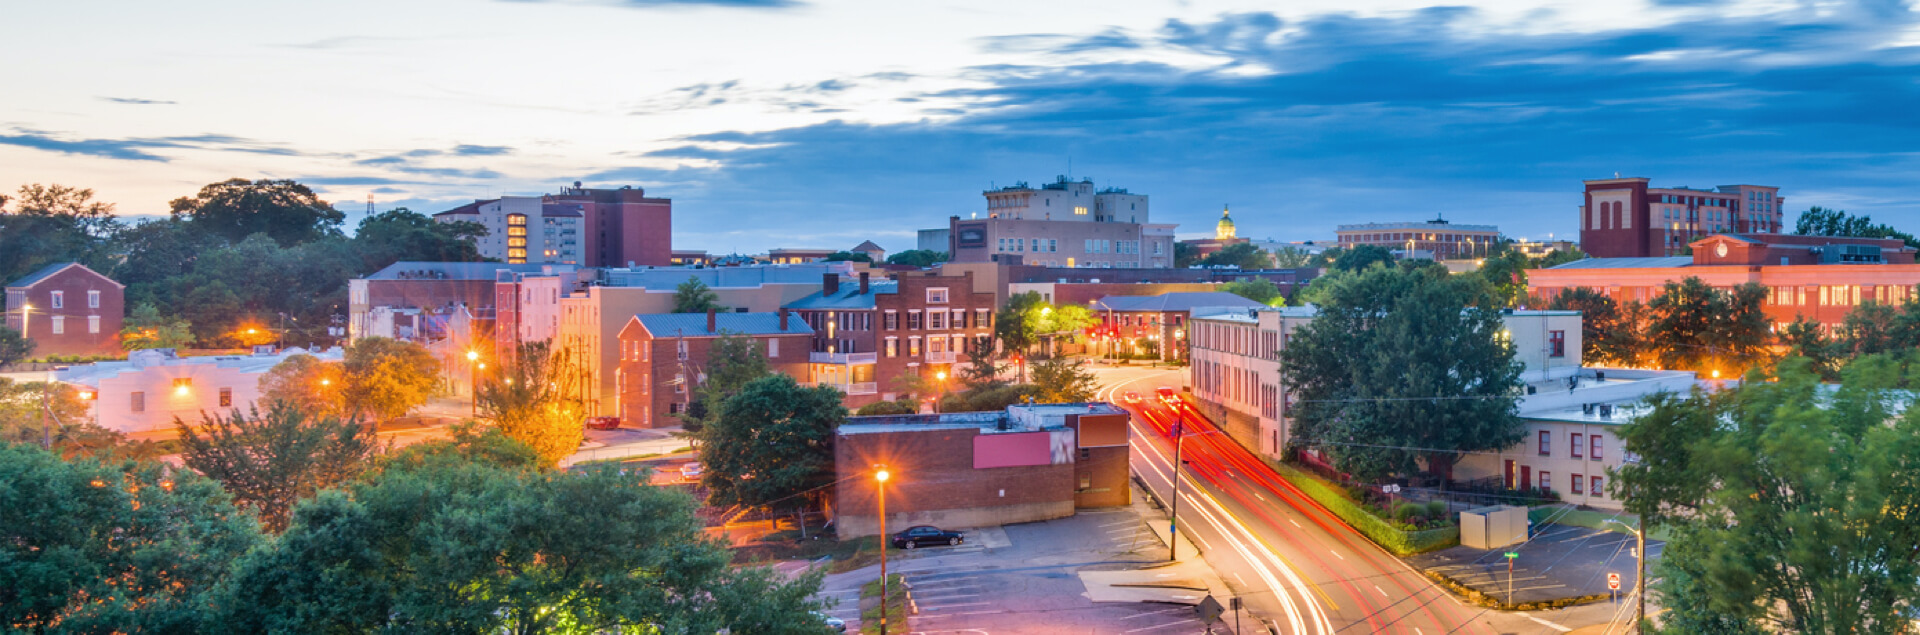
x: 1613, y: 581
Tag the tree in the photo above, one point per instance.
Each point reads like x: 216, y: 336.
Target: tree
x: 1796, y: 501
x: 1185, y: 255
x: 1819, y: 221
x: 14, y: 346
x: 387, y: 378
x: 772, y: 445
x: 733, y: 361
x: 1438, y: 378
x: 1872, y: 328
x: 1361, y: 258
x: 469, y: 442
x: 982, y: 369
x: 1609, y: 334
x: 1558, y: 257
x: 145, y: 329
x: 1291, y: 258
x: 1259, y: 290
x: 1241, y: 255
x: 54, y: 223
x: 1012, y: 324
x: 287, y: 212
x: 918, y: 258
x: 51, y: 415
x: 403, y: 234
x: 1808, y: 339
x: 312, y: 386
x: 473, y: 547
x: 269, y: 461
x: 849, y: 256
x: 539, y: 403
x: 1693, y: 326
x: 1063, y: 380
x: 693, y: 296
x: 1506, y: 273
x: 96, y: 547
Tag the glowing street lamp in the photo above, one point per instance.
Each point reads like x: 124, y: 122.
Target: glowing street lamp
x: 942, y: 378
x: 473, y: 383
x: 880, y: 476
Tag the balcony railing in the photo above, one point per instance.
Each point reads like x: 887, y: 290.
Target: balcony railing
x: 941, y: 358
x: 843, y: 358
x: 856, y: 388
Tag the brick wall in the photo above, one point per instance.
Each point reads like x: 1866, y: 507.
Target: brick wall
x: 78, y: 335
x: 648, y: 398
x: 934, y: 483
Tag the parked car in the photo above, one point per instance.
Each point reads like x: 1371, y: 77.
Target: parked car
x: 691, y: 471
x: 925, y: 535
x: 603, y: 423
x: 1131, y: 397
x: 836, y: 624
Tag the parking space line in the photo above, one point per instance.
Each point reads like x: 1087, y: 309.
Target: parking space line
x: 1157, y: 613
x: 1151, y: 628
x: 948, y: 606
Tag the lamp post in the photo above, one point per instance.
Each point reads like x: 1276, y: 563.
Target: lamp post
x: 473, y: 383
x: 1640, y: 571
x: 880, y: 476
x: 1113, y: 326
x: 941, y: 377
x: 1173, y: 519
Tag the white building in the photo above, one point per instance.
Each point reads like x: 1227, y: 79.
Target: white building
x: 152, y: 387
x: 1235, y: 375
x: 525, y: 229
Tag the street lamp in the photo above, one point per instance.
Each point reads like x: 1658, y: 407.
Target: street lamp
x: 1173, y: 518
x: 880, y: 476
x: 473, y: 383
x: 1640, y: 575
x: 941, y: 377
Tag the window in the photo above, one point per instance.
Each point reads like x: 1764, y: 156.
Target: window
x: 1597, y: 486
x: 93, y: 299
x: 1079, y: 211
x: 93, y: 324
x: 59, y: 324
x: 936, y: 320
x: 1546, y: 481
x: 1556, y: 343
x: 893, y: 347
x: 773, y: 347
x: 226, y: 397
x: 913, y: 320
x: 936, y: 344
x: 679, y: 383
x: 1546, y: 443
x: 913, y: 346
x: 680, y: 350
x: 892, y: 321
x: 59, y: 299
x: 1576, y: 446
x: 137, y: 402
x: 1597, y: 444
x: 982, y: 318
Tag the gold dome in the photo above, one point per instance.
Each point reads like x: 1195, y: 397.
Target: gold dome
x: 1224, y: 230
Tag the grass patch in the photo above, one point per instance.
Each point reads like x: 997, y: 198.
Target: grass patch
x: 1591, y: 520
x: 847, y: 555
x: 1356, y: 515
x: 896, y: 605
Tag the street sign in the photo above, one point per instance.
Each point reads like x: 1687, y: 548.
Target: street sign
x: 1513, y: 554
x: 1613, y: 581
x: 1233, y: 603
x: 1209, y: 610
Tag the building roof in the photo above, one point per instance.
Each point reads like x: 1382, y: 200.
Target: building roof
x: 92, y: 374
x: 695, y: 324
x: 718, y: 277
x: 47, y: 272
x: 866, y: 245
x: 561, y: 210
x: 416, y: 270
x: 1176, y: 302
x: 1628, y: 263
x: 848, y: 297
x: 1416, y: 225
x: 470, y: 208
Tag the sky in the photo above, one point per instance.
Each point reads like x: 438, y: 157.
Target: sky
x: 822, y: 123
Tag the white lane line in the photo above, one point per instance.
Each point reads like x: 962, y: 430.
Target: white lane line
x: 1548, y: 624
x: 944, y: 598
x: 1154, y: 628
x: 1336, y: 554
x: 929, y: 617
x: 1183, y: 608
x: 948, y: 606
x: 1417, y: 631
x: 1243, y: 581
x: 1383, y: 592
x: 1295, y: 523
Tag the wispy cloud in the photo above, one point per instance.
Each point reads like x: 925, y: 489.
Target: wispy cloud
x: 138, y: 148
x: 658, y: 4
x: 136, y: 101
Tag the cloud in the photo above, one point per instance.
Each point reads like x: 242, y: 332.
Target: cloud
x: 137, y: 148
x: 408, y: 162
x: 388, y: 190
x: 352, y: 180
x: 480, y: 151
x: 136, y: 101
x: 1341, y: 118
x: 659, y: 4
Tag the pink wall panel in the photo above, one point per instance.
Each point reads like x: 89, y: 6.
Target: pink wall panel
x: 1012, y: 450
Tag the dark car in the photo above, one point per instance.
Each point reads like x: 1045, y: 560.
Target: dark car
x: 926, y: 535
x: 603, y: 423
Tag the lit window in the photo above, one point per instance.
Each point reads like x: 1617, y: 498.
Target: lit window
x: 1080, y: 211
x: 226, y: 397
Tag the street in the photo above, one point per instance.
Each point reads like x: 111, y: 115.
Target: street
x: 1297, y: 565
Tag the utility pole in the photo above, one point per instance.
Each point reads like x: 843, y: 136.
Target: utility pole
x: 1173, y: 519
x: 1640, y: 578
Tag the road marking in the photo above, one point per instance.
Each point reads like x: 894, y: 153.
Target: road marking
x: 1157, y: 613
x: 1548, y: 624
x: 1243, y: 581
x: 1151, y: 628
x: 1295, y: 523
x: 1383, y: 592
x: 952, y: 597
x: 1336, y: 554
x: 1257, y: 495
x: 1417, y: 631
x: 948, y: 606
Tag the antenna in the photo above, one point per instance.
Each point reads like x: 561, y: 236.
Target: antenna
x: 369, y: 203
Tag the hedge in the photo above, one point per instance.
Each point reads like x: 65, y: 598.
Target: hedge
x: 1399, y: 541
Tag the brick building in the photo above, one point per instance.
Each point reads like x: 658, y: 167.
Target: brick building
x: 522, y: 229
x: 1132, y: 319
x: 67, y: 309
x: 1819, y: 278
x: 1625, y: 218
x: 1224, y: 235
x: 1436, y: 239
x: 663, y: 358
x: 976, y: 469
x: 868, y: 333
x: 1064, y: 223
x: 621, y: 227
x: 414, y: 300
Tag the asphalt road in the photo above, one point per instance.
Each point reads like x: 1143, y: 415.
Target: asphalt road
x: 1295, y: 563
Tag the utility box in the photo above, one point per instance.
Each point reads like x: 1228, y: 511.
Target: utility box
x: 1493, y: 527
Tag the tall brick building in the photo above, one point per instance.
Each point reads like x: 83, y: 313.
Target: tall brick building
x: 67, y: 309
x: 663, y: 357
x: 868, y: 333
x: 976, y: 469
x: 1626, y: 218
x: 622, y: 227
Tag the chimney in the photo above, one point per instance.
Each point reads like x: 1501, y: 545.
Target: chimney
x: 863, y: 283
x: 829, y: 284
x: 712, y: 318
x: 783, y: 320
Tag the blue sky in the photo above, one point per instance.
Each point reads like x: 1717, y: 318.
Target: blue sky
x: 820, y: 124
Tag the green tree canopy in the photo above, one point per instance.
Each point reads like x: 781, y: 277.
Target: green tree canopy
x: 474, y: 547
x: 1291, y: 257
x: 1506, y: 274
x: 772, y: 444
x: 1185, y: 255
x: 311, y: 386
x: 111, y: 547
x: 270, y: 460
x: 52, y: 415
x: 1692, y: 326
x: 1796, y: 501
x: 14, y: 347
x: 387, y: 378
x: 1820, y: 221
x: 286, y: 211
x: 46, y: 224
x: 1361, y: 257
x: 1063, y: 380
x: 982, y: 370
x: 1439, y: 377
x: 733, y: 361
x: 918, y: 258
x: 1610, y: 335
x: 693, y: 296
x: 403, y: 234
x: 145, y: 328
x: 1259, y: 290
x: 538, y: 400
x: 1241, y: 255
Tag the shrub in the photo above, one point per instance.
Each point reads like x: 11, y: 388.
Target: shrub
x: 1395, y: 539
x: 1437, y: 509
x: 899, y: 407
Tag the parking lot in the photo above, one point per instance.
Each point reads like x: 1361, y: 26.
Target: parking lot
x: 1559, y: 562
x: 1026, y: 580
